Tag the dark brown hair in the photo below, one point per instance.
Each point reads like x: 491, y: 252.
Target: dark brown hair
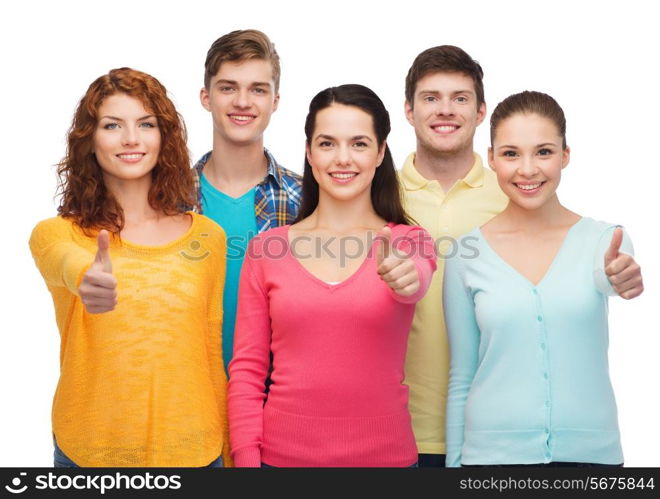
x: 444, y: 59
x: 529, y: 102
x: 241, y: 45
x: 385, y: 189
x: 85, y: 197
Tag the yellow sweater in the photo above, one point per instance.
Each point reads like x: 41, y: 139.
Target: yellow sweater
x: 470, y: 203
x: 144, y: 384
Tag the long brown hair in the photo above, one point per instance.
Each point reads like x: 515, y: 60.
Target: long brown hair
x: 85, y: 197
x: 385, y: 188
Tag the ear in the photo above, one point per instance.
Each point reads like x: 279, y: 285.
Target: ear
x: 381, y: 154
x: 481, y: 113
x: 308, y: 153
x: 204, y: 98
x: 566, y: 157
x: 407, y: 108
x: 276, y: 101
x: 491, y: 157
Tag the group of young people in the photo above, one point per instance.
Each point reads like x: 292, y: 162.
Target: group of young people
x: 235, y: 313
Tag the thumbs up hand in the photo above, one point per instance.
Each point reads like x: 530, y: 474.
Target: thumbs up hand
x: 624, y: 273
x: 400, y: 274
x: 98, y: 289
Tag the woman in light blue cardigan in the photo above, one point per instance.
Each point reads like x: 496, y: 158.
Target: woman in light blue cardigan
x: 526, y: 311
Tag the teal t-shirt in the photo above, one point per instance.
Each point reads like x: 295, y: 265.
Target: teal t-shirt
x: 236, y: 216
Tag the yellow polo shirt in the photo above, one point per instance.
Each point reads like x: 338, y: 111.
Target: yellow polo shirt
x: 470, y: 203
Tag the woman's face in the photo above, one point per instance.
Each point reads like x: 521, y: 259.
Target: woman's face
x: 528, y: 158
x: 127, y: 140
x: 344, y: 152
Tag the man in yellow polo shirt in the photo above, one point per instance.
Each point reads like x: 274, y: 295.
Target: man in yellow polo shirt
x: 448, y: 191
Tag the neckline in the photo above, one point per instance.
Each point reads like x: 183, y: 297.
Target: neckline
x: 226, y: 197
x: 550, y: 268
x: 160, y: 247
x: 322, y: 282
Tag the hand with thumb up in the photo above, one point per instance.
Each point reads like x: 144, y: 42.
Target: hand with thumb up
x: 98, y: 289
x: 400, y: 274
x: 624, y: 273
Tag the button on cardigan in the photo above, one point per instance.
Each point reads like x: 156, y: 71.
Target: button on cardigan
x: 529, y: 379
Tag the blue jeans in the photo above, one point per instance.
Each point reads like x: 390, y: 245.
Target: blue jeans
x: 62, y: 461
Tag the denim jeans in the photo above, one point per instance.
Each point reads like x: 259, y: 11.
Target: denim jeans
x: 62, y: 461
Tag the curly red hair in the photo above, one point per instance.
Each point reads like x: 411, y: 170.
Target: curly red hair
x: 85, y: 197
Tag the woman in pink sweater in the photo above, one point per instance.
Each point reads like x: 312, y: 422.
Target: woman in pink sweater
x: 331, y: 297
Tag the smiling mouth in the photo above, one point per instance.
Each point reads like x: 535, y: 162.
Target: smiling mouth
x: 133, y: 157
x: 445, y: 129
x: 343, y: 177
x: 529, y: 187
x: 241, y: 118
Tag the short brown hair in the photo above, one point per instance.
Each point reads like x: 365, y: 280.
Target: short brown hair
x: 85, y: 197
x: 241, y: 45
x: 529, y: 102
x: 444, y: 59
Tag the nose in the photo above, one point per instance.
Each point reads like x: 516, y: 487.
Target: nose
x: 527, y: 166
x: 343, y: 156
x: 444, y: 107
x: 130, y: 136
x: 241, y: 98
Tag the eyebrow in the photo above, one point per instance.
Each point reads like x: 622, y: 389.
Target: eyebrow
x: 120, y: 119
x: 516, y: 147
x: 234, y: 82
x: 356, y: 137
x: 436, y: 92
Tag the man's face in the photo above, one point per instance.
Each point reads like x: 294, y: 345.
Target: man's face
x: 241, y: 98
x: 445, y: 113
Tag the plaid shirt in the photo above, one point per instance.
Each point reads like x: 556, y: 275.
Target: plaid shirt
x: 277, y: 198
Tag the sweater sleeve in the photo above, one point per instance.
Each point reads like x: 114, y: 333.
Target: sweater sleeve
x: 600, y: 278
x: 249, y: 366
x: 418, y: 245
x: 464, y: 336
x: 61, y: 261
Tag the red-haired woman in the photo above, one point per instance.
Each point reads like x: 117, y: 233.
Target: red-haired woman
x: 137, y: 285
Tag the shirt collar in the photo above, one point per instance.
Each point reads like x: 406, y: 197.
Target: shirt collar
x: 413, y: 180
x: 272, y: 168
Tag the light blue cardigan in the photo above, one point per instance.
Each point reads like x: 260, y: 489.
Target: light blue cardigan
x: 529, y: 380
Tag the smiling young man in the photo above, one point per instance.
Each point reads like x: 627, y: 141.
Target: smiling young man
x: 449, y: 192
x: 239, y: 184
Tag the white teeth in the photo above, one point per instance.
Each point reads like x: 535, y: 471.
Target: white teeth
x: 242, y: 118
x: 130, y: 156
x: 343, y: 176
x: 445, y: 128
x: 528, y: 187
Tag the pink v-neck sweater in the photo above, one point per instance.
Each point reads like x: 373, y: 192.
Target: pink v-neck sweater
x: 337, y: 396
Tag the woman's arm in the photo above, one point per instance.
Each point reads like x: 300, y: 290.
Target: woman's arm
x: 250, y: 364
x: 464, y: 339
x: 61, y: 261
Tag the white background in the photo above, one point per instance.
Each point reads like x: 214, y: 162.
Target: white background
x: 599, y: 60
